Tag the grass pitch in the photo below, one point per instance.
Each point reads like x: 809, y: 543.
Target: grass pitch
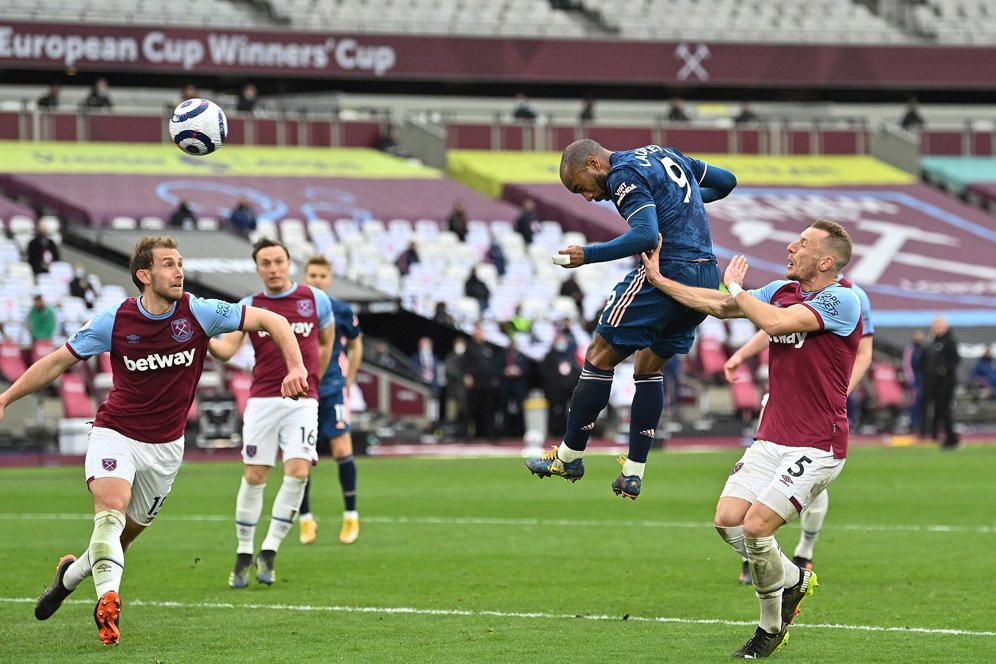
x: 474, y: 560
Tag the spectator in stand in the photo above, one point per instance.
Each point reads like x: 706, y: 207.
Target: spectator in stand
x: 407, y: 258
x: 41, y: 320
x: 242, y: 218
x: 50, y: 100
x: 496, y: 256
x: 42, y: 251
x: 528, y: 221
x: 677, y: 112
x: 559, y: 372
x: 517, y: 324
x: 587, y: 110
x: 431, y: 371
x: 443, y: 316
x: 746, y: 115
x: 183, y: 217
x: 247, y: 99
x: 983, y: 380
x: 482, y: 378
x: 81, y: 287
x: 455, y: 410
x: 189, y: 91
x: 572, y: 289
x: 387, y: 142
x: 912, y: 120
x: 912, y: 354
x: 477, y: 289
x: 99, y: 97
x: 512, y: 391
x: 523, y: 110
x: 457, y: 220
x: 939, y: 364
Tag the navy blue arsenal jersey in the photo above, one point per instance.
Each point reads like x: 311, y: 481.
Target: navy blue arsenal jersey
x: 667, y: 180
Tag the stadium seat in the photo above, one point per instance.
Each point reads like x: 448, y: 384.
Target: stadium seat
x: 124, y: 224
x: 239, y: 384
x: 11, y: 361
x: 50, y: 223
x: 712, y: 357
x: 208, y: 224
x: 151, y: 223
x: 41, y: 348
x: 888, y: 389
x: 20, y: 224
x: 75, y: 400
x: 345, y: 229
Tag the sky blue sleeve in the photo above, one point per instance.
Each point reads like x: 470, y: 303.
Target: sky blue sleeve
x: 217, y: 316
x: 94, y: 337
x: 765, y: 293
x: 866, y: 310
x: 324, y: 305
x: 839, y: 308
x: 346, y: 320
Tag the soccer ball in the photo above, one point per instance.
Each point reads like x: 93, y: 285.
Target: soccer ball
x: 198, y: 127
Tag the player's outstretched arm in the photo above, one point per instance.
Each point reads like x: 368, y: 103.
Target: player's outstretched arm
x: 705, y: 300
x: 38, y: 375
x: 295, y: 384
x: 754, y: 345
x: 228, y: 345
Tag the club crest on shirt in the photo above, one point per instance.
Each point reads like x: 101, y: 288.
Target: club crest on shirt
x: 305, y: 308
x: 250, y: 450
x: 109, y: 464
x: 182, y: 330
x: 736, y: 468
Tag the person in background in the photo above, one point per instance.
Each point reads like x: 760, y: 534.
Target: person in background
x: 676, y: 111
x: 474, y: 287
x: 746, y: 115
x: 50, y: 100
x: 407, y: 258
x: 528, y: 222
x: 443, y: 316
x: 912, y: 120
x: 512, y: 391
x: 522, y: 109
x: 939, y: 364
x: 100, y: 96
x: 182, y: 217
x: 430, y: 370
x: 242, y: 217
x: 496, y: 256
x: 81, y: 287
x: 559, y: 372
x: 457, y: 220
x: 455, y: 397
x: 482, y: 378
x: 42, y: 251
x: 587, y: 113
x: 983, y: 379
x: 247, y: 99
x: 572, y: 289
x: 41, y: 320
x: 912, y: 354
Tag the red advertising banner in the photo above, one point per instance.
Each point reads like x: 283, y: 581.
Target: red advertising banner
x: 402, y: 57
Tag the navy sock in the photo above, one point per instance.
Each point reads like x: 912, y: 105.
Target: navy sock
x: 590, y: 396
x: 347, y: 480
x: 306, y: 501
x: 645, y: 413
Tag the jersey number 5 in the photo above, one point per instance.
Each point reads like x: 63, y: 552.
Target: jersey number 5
x: 677, y: 176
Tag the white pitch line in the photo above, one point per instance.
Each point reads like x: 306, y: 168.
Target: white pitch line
x: 573, y: 523
x: 405, y: 610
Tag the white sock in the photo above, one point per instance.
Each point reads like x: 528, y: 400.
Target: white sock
x: 767, y: 570
x: 306, y: 517
x: 285, y: 507
x: 351, y: 515
x: 105, y: 551
x: 78, y: 571
x: 248, y: 507
x: 812, y: 522
x: 633, y: 468
x: 734, y: 536
x: 566, y: 454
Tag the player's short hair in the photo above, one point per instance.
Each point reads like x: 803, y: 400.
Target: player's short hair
x: 576, y: 154
x: 142, y: 258
x: 319, y: 260
x: 838, y: 242
x: 263, y: 243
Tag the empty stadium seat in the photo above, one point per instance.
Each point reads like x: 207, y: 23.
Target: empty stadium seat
x: 11, y: 361
x: 208, y: 224
x: 124, y: 223
x: 75, y: 400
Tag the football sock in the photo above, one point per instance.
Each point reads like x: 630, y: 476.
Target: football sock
x: 306, y: 501
x: 347, y: 480
x: 591, y: 396
x: 285, y: 507
x: 78, y: 571
x: 767, y: 570
x: 793, y: 575
x: 631, y: 467
x: 812, y: 523
x: 644, y: 415
x: 350, y: 514
x: 105, y: 550
x: 248, y: 507
x: 734, y: 536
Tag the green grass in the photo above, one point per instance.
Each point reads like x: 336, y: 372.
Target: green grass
x: 475, y: 547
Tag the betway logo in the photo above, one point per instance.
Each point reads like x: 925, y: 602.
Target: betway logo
x: 184, y: 358
x: 299, y: 328
x: 796, y: 339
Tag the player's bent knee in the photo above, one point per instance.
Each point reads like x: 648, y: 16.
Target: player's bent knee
x: 256, y: 475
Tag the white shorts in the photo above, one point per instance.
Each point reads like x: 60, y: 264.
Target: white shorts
x: 784, y: 478
x: 150, y: 468
x: 272, y: 422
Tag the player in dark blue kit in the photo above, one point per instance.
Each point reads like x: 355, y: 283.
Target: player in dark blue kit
x: 656, y: 190
x: 333, y: 405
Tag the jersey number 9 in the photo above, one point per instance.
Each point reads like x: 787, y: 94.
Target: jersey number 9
x: 677, y: 176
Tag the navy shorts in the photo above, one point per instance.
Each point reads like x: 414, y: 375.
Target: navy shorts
x: 333, y: 415
x: 639, y: 316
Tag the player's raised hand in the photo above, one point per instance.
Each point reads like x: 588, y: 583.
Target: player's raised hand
x: 295, y: 384
x: 736, y: 271
x: 651, y: 261
x: 730, y: 368
x: 574, y: 256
